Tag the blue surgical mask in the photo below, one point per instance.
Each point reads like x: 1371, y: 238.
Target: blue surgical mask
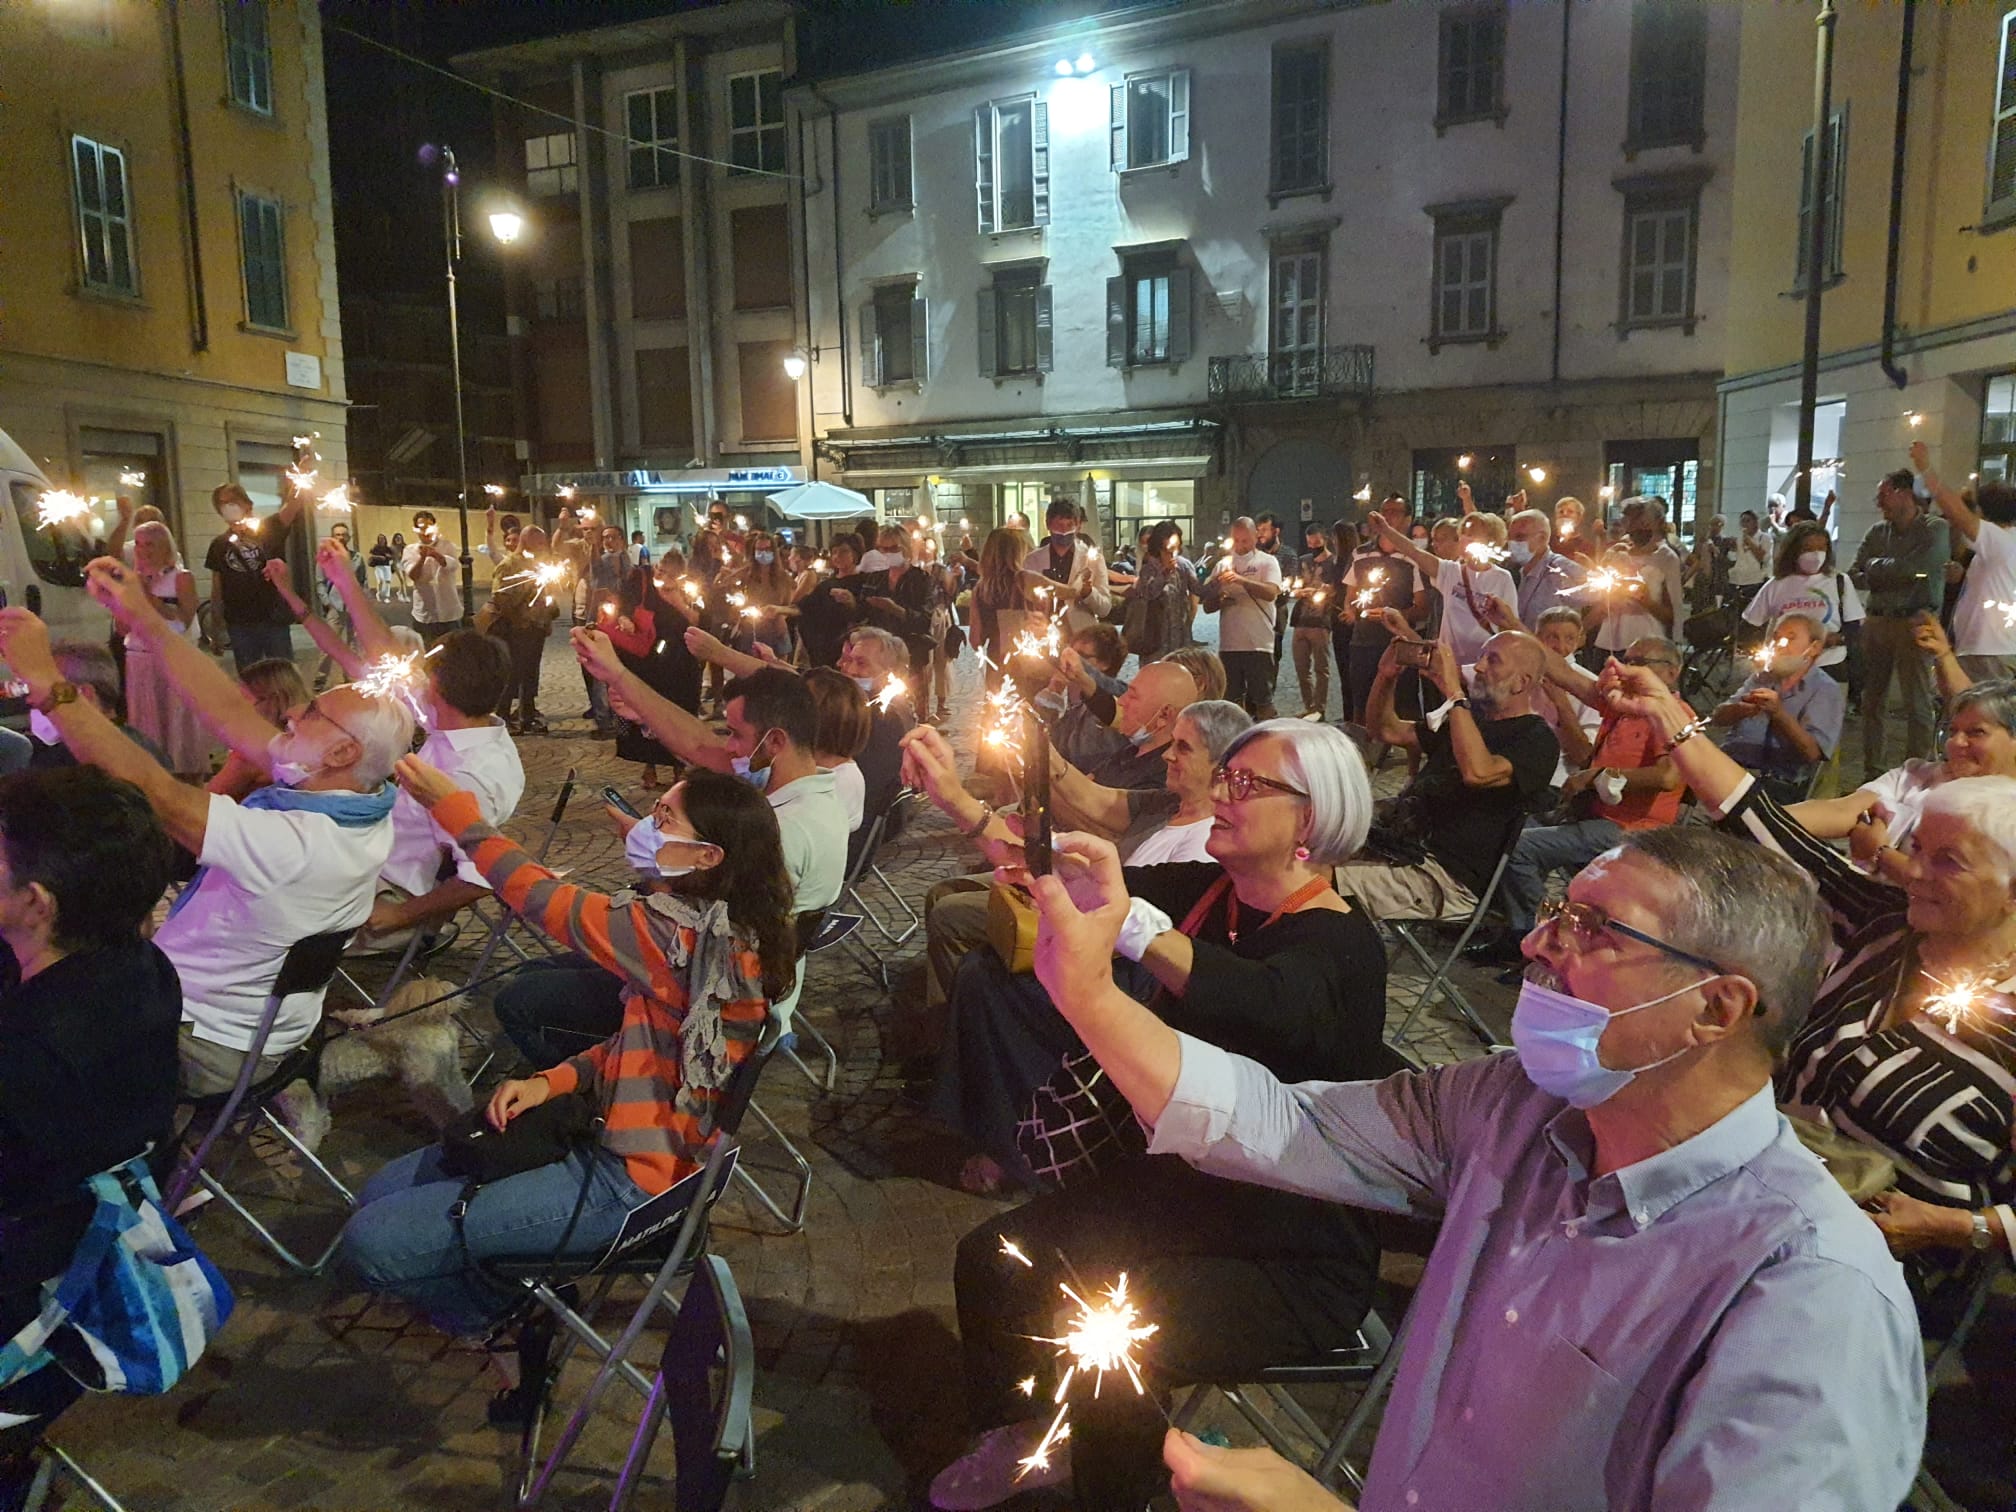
x: 1557, y: 1033
x: 757, y: 777
x: 641, y: 847
x: 865, y: 684
x: 1520, y: 552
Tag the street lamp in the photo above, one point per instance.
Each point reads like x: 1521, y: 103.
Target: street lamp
x: 794, y: 365
x: 507, y: 225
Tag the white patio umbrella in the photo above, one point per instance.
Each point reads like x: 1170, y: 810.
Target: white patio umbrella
x: 822, y: 501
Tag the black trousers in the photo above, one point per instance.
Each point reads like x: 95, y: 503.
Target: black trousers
x: 1234, y: 1277
x: 527, y: 645
x: 42, y: 1396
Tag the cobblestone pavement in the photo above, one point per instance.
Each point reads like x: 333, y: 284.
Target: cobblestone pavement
x: 315, y: 1399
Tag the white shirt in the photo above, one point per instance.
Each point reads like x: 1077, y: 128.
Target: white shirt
x: 851, y: 788
x: 1829, y: 597
x: 1626, y: 620
x: 1173, y: 842
x: 1088, y: 571
x: 1244, y: 623
x: 482, y: 759
x: 438, y: 600
x: 813, y: 827
x: 1903, y: 790
x: 272, y: 877
x: 1991, y: 579
x: 1461, y: 628
x: 1745, y: 570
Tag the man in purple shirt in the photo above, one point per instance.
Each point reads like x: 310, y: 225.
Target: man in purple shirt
x: 1545, y: 577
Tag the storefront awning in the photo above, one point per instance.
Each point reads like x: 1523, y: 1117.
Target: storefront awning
x: 683, y: 480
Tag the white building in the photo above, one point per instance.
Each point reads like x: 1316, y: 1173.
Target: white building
x: 1268, y: 252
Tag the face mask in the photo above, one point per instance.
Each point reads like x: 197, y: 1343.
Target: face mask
x: 865, y: 684
x: 43, y: 728
x: 641, y: 847
x: 1644, y: 537
x: 1520, y: 552
x: 1556, y: 1035
x: 1811, y: 562
x: 286, y: 772
x: 758, y: 777
x: 233, y: 513
x: 765, y: 558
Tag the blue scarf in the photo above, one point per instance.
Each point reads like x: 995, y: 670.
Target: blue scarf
x: 349, y: 810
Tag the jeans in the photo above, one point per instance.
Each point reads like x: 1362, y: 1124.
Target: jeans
x: 553, y: 1010
x: 402, y: 1237
x: 1887, y: 647
x: 257, y: 643
x: 527, y: 644
x: 1312, y: 666
x: 1550, y: 848
x: 1249, y: 681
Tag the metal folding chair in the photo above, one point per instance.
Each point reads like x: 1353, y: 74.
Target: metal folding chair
x: 896, y: 921
x: 664, y: 1239
x: 1941, y: 1360
x: 1268, y: 1404
x: 1413, y: 936
x: 41, y: 1494
x: 308, y: 966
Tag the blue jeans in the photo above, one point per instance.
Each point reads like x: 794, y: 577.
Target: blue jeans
x: 553, y: 1010
x: 1550, y: 848
x: 402, y: 1240
x: 257, y: 643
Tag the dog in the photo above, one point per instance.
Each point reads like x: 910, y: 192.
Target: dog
x: 420, y: 1049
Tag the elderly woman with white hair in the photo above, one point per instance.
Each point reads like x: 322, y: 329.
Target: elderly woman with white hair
x: 1155, y: 826
x: 1257, y: 953
x: 1910, y: 1046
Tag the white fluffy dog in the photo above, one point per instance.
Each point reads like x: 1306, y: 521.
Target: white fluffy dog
x: 421, y: 1050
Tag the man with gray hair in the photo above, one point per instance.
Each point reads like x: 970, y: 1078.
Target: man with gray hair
x: 296, y: 858
x: 1545, y: 577
x: 1786, y: 718
x: 1645, y: 1291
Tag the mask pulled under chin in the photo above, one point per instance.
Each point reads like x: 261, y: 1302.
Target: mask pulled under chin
x: 759, y: 778
x: 1557, y: 1035
x: 286, y: 772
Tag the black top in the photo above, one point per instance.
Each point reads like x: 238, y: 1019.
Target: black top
x: 1466, y: 826
x: 823, y: 624
x: 915, y: 594
x: 87, y: 1080
x: 1129, y: 767
x: 238, y: 559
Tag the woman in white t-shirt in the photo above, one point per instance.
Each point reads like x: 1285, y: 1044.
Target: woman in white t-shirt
x: 1467, y: 583
x: 1980, y: 742
x: 840, y: 732
x: 1804, y: 582
x: 1750, y: 563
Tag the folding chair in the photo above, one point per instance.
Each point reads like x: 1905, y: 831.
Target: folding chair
x: 664, y: 1239
x: 309, y: 966
x: 1412, y: 935
x: 42, y: 1493
x: 897, y: 921
x: 1927, y: 1495
x: 1369, y: 1362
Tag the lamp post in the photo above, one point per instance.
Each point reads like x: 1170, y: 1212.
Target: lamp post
x: 507, y: 225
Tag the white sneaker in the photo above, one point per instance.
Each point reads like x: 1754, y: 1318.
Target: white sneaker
x: 987, y: 1474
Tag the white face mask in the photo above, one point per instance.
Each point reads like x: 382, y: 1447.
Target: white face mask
x: 233, y: 513
x: 865, y: 684
x: 287, y: 771
x: 1520, y: 552
x: 43, y: 728
x: 1811, y: 562
x: 642, y: 845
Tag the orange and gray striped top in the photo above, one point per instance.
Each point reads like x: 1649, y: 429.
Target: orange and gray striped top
x: 693, y: 1005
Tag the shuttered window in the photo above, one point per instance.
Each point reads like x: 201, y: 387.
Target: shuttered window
x: 2002, y: 148
x: 262, y: 242
x: 104, y: 217
x: 1150, y: 121
x: 1011, y: 164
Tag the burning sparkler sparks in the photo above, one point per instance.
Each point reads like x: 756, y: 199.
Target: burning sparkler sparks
x: 1483, y: 554
x: 338, y: 500
x: 1963, y: 1000
x: 820, y: 564
x: 59, y: 506
x: 567, y: 490
x: 1606, y: 580
x: 132, y: 479
x: 1014, y: 1252
x: 397, y: 676
x: 302, y: 478
x: 495, y: 490
x: 692, y: 589
x: 1100, y: 1337
x: 307, y: 442
x: 1027, y: 1386
x: 885, y: 700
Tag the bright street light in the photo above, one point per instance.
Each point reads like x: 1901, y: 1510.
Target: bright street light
x: 794, y: 365
x: 507, y: 225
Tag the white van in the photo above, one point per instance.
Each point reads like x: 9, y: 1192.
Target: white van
x: 32, y: 571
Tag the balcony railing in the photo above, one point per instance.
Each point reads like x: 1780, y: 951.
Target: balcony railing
x: 1325, y: 373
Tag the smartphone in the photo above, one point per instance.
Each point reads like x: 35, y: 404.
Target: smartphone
x: 618, y: 802
x: 1414, y: 653
x: 1036, y: 800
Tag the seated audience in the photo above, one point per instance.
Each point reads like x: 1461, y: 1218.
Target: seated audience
x: 1573, y: 722
x: 88, y: 1010
x: 1155, y: 827
x: 1881, y: 815
x: 1486, y: 758
x: 842, y: 723
x: 1631, y: 1136
x: 1877, y: 1058
x: 697, y: 966
x: 298, y: 857
x: 91, y: 670
x: 1786, y: 721
x: 1255, y: 953
x: 1144, y: 715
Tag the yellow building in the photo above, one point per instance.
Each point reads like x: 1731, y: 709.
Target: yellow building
x: 168, y: 263
x: 1952, y: 341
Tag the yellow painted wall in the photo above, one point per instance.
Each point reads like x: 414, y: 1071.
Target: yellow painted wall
x: 1948, y: 275
x: 102, y: 68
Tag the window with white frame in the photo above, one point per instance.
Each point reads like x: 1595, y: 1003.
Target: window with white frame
x: 651, y: 117
x: 1015, y: 329
x: 1465, y: 306
x: 263, y: 251
x: 1295, y: 333
x: 1660, y: 226
x: 2002, y: 136
x: 549, y: 164
x: 1829, y: 203
x: 894, y: 323
x: 248, y: 55
x: 104, y: 217
x: 1011, y: 163
x: 756, y: 121
x: 1470, y: 73
x: 1301, y: 139
x: 889, y: 164
x: 1669, y: 71
x: 1150, y: 123
x: 1148, y: 310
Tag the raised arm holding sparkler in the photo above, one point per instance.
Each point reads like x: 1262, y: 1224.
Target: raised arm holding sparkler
x: 320, y: 631
x: 685, y: 735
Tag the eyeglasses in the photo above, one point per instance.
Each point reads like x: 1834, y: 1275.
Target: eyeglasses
x: 1240, y: 783
x: 1587, y: 924
x: 314, y: 707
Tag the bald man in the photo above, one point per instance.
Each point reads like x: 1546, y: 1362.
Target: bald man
x: 1487, y: 757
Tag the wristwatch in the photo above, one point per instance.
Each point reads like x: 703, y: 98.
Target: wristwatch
x: 1461, y: 703
x: 986, y: 818
x: 1981, y: 1239
x: 60, y: 692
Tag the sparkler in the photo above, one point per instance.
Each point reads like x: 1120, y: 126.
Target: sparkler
x: 301, y: 478
x: 819, y: 564
x: 59, y: 506
x: 338, y: 500
x: 1014, y: 1251
x: 741, y: 522
x: 1100, y: 1337
x: 1027, y: 1386
x: 1957, y: 1002
x: 131, y: 479
x: 307, y: 443
x: 495, y: 490
x: 885, y: 700
x: 2006, y: 610
x: 1484, y: 554
x: 396, y: 676
x: 1606, y: 580
x: 567, y: 490
x: 738, y: 598
x: 692, y: 589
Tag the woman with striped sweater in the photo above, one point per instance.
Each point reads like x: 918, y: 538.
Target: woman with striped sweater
x: 701, y: 962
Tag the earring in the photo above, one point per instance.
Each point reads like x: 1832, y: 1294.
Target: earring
x: 1301, y: 853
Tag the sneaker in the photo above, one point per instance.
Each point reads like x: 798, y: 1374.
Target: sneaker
x: 989, y: 1473
x: 534, y: 725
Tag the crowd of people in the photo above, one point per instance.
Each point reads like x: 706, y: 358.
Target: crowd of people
x: 1186, y: 982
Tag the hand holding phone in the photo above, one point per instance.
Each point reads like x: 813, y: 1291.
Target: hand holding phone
x: 616, y: 800
x: 1412, y: 653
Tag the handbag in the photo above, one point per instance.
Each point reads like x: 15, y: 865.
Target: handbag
x: 1011, y: 928
x: 136, y: 1306
x: 539, y: 1136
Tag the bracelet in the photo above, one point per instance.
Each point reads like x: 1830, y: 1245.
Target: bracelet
x: 986, y: 818
x: 1685, y: 734
x: 1144, y: 922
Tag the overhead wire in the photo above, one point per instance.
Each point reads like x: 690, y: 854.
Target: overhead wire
x: 575, y: 122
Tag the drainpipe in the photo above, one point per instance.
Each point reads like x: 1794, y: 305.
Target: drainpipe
x: 1561, y: 184
x: 839, y: 282
x: 1816, y: 249
x: 1889, y: 359
x: 199, y: 303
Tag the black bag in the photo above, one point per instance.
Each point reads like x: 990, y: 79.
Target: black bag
x: 539, y: 1136
x: 1399, y: 832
